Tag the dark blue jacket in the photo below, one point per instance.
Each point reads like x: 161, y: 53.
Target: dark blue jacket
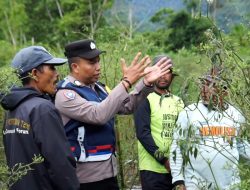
x: 33, y: 126
x: 89, y: 142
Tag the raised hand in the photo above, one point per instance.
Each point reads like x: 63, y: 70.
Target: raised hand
x: 159, y: 69
x: 135, y: 70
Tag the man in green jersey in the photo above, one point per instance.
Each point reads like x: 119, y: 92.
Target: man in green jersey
x: 155, y: 120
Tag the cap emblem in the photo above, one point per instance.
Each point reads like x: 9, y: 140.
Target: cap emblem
x: 92, y: 45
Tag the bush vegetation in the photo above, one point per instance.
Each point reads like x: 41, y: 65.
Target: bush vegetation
x: 182, y: 36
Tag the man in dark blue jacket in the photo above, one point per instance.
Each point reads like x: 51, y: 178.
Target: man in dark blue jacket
x: 33, y: 126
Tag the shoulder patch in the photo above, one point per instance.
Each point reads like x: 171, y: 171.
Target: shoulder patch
x: 69, y: 94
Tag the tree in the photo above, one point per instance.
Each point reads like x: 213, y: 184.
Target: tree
x: 181, y: 30
x: 193, y: 6
x: 129, y: 18
x: 53, y: 22
x: 82, y: 20
x: 13, y: 22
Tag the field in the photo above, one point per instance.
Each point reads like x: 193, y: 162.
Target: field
x: 189, y: 65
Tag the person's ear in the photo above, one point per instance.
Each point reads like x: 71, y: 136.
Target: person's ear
x: 33, y: 74
x: 74, y: 67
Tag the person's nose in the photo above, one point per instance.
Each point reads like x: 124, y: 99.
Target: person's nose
x: 163, y: 77
x: 56, y: 73
x: 97, y: 66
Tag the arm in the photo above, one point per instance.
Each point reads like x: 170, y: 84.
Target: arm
x: 50, y: 138
x: 143, y: 131
x: 99, y: 113
x: 92, y: 112
x: 135, y: 98
x: 176, y: 160
x: 243, y: 145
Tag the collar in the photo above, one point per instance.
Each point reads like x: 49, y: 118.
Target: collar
x: 216, y: 108
x: 78, y: 83
x: 162, y: 96
x: 167, y: 94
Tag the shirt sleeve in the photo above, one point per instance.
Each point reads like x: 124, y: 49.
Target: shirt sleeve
x: 139, y: 94
x: 143, y: 130
x: 118, y: 101
x: 50, y: 137
x: 176, y: 159
x: 243, y: 145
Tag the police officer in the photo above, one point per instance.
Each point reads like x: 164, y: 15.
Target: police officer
x: 88, y: 110
x: 33, y: 126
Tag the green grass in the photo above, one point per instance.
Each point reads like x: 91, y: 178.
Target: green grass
x: 189, y: 67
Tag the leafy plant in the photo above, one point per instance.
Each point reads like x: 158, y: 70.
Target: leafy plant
x: 181, y: 29
x: 9, y: 176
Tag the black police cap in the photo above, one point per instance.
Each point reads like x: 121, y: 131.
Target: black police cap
x: 83, y: 48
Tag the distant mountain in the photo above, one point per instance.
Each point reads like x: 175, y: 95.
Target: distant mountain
x: 139, y: 12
